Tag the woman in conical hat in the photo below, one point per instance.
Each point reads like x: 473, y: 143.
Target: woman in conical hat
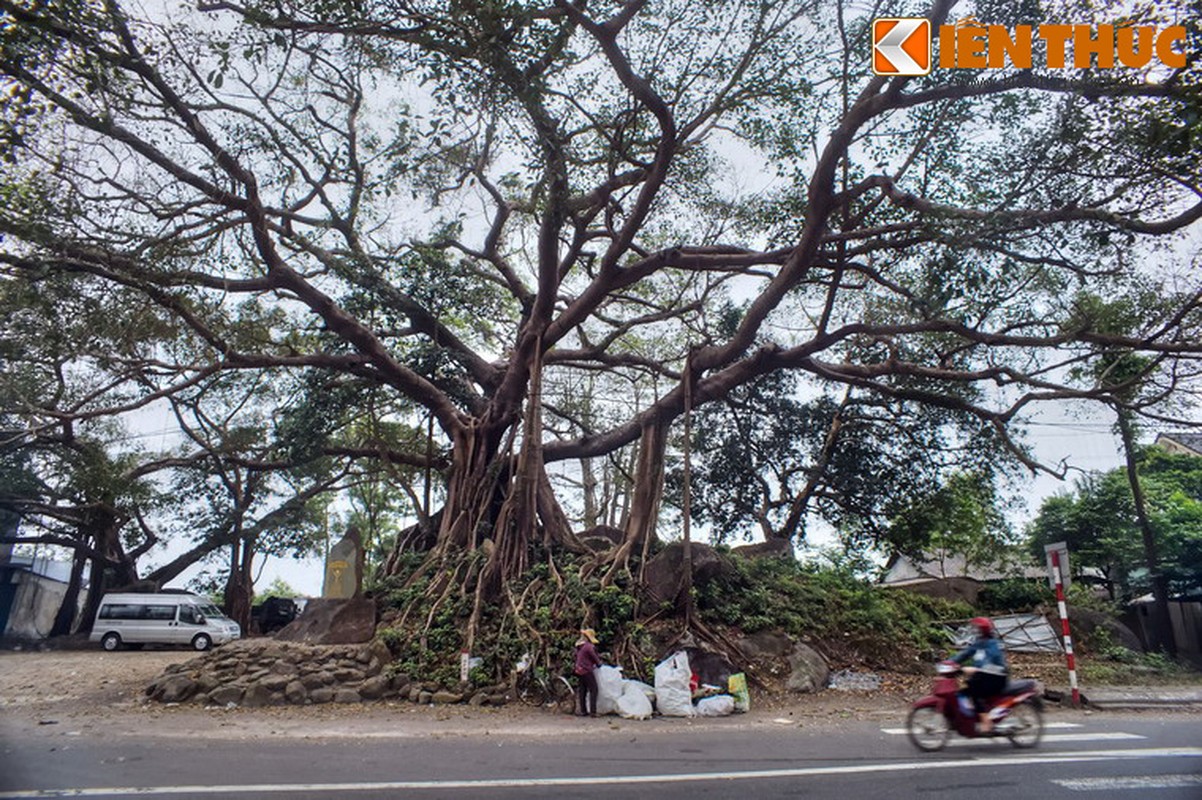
x: 587, y: 661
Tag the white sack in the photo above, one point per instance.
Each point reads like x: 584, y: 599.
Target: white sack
x: 609, y: 689
x: 645, y: 688
x: 672, y: 694
x: 720, y: 705
x: 633, y: 704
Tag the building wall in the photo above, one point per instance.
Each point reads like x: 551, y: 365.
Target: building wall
x: 1186, y: 618
x: 965, y: 589
x: 34, y: 606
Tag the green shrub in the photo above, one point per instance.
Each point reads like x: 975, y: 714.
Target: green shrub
x: 1015, y: 595
x: 1081, y: 595
x: 832, y: 602
x: 392, y: 638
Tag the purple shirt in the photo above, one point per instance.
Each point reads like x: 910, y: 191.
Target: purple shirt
x: 586, y: 658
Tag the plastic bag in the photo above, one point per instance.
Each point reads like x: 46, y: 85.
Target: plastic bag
x: 645, y: 688
x: 737, y: 686
x: 634, y: 704
x: 609, y: 689
x: 672, y: 695
x: 720, y: 705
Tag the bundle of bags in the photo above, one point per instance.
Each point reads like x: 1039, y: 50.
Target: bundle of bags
x: 673, y: 694
x: 626, y: 698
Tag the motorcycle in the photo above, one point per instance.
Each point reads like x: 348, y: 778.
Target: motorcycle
x: 1017, y: 713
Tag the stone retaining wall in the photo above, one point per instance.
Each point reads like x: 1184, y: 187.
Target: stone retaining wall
x: 265, y: 672
x: 268, y: 672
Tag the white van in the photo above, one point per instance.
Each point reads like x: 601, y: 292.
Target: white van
x: 181, y: 619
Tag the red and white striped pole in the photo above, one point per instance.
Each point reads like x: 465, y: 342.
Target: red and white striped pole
x: 1062, y: 607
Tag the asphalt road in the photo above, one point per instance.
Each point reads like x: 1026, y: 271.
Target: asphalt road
x: 1103, y: 756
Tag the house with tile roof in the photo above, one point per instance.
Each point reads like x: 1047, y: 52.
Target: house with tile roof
x: 1185, y: 443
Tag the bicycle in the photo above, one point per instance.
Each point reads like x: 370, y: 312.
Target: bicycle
x: 533, y: 686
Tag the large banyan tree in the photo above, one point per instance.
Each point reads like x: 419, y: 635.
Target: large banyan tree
x: 548, y: 229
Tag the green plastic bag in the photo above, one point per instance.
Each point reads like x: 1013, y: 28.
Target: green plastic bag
x: 736, y: 686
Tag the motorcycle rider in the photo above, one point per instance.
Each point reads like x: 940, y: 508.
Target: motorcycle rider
x: 987, y: 672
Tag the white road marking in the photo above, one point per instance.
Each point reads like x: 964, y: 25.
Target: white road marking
x: 1053, y: 737
x: 1130, y: 782
x: 596, y: 781
x: 987, y: 741
x: 1046, y: 725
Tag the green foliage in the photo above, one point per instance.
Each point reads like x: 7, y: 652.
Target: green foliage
x: 391, y: 588
x: 392, y: 638
x: 1097, y: 520
x: 1015, y: 595
x: 824, y: 603
x: 1082, y: 595
x: 766, y: 461
x: 960, y: 517
x: 1109, y: 662
x: 426, y: 635
x: 209, y: 585
x: 277, y: 588
x: 827, y: 603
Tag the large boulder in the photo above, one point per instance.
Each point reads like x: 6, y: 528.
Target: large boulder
x: 808, y: 670
x: 600, y: 538
x: 333, y: 621
x: 1086, y: 623
x: 664, y: 574
x: 710, y: 668
x: 765, y: 644
x: 175, y: 688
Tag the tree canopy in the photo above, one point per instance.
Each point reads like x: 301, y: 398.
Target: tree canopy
x: 537, y: 233
x: 1097, y: 520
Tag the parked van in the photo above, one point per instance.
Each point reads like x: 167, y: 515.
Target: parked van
x: 181, y: 619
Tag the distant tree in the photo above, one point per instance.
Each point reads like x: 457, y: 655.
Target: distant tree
x: 962, y: 517
x: 242, y: 494
x: 277, y: 588
x: 764, y: 458
x: 1138, y: 384
x: 1099, y: 523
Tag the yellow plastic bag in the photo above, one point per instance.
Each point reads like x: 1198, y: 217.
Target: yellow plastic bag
x: 737, y: 687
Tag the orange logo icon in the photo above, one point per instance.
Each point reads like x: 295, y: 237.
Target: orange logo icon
x: 901, y: 46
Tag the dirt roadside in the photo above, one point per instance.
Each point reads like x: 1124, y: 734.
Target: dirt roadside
x: 58, y: 693
x: 67, y: 692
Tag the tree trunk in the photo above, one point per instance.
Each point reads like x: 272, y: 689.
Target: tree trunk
x: 238, y: 588
x: 588, y: 483
x: 68, y: 609
x: 797, y: 509
x: 1162, y: 625
x: 647, y: 492
x: 111, y: 572
x: 687, y: 498
x: 557, y: 530
x: 475, y: 488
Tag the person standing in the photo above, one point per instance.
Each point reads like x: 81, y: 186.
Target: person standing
x: 987, y: 672
x: 587, y: 661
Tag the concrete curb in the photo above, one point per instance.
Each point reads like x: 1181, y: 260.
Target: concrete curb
x: 1132, y: 698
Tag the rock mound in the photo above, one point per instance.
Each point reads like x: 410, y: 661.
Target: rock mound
x: 265, y: 672
x: 333, y: 621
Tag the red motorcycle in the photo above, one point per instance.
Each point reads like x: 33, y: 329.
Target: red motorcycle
x: 1017, y: 713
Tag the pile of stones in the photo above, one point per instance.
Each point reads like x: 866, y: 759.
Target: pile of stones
x: 266, y: 672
